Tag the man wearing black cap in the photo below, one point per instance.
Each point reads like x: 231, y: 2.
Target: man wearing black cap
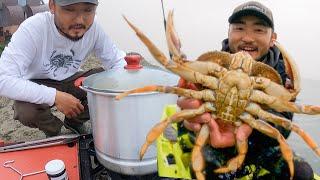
x: 251, y: 29
x: 43, y: 59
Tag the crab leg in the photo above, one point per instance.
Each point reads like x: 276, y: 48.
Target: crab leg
x: 194, y: 76
x: 258, y: 111
x: 197, y: 159
x: 184, y: 72
x: 205, y: 95
x: 236, y: 162
x: 158, y: 129
x: 267, y: 129
x: 283, y: 106
x: 206, y: 68
x: 272, y: 88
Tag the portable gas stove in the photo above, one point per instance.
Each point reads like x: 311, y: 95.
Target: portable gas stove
x: 90, y: 167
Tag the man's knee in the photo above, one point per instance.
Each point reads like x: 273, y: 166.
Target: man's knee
x: 28, y: 113
x: 303, y: 170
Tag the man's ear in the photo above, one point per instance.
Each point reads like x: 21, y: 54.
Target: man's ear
x: 51, y: 6
x: 273, y: 39
x: 229, y: 28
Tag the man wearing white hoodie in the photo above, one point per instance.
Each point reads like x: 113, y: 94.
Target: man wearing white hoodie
x: 43, y: 59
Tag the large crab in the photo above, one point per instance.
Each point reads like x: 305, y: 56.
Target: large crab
x: 237, y: 89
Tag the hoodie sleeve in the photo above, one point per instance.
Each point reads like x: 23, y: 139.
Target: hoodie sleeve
x: 14, y: 62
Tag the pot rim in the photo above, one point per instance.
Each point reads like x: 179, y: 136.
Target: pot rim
x: 128, y: 79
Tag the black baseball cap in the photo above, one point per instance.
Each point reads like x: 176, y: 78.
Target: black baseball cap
x: 69, y: 2
x: 252, y: 8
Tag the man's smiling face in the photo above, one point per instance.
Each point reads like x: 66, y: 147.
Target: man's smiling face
x: 252, y: 35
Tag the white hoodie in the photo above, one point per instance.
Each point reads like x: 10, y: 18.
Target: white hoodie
x: 38, y: 51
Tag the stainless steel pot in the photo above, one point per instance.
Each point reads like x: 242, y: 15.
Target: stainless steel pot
x: 120, y: 127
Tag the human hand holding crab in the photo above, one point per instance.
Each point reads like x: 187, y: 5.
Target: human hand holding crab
x: 222, y: 135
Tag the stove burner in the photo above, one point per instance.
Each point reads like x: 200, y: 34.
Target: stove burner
x: 91, y: 169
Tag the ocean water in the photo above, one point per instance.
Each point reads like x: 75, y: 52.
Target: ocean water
x: 310, y: 94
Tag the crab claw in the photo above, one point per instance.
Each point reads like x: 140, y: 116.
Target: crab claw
x: 156, y: 53
x: 291, y: 69
x: 173, y: 41
x: 179, y: 69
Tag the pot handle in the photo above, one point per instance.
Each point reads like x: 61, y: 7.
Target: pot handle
x: 133, y: 62
x: 78, y: 82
